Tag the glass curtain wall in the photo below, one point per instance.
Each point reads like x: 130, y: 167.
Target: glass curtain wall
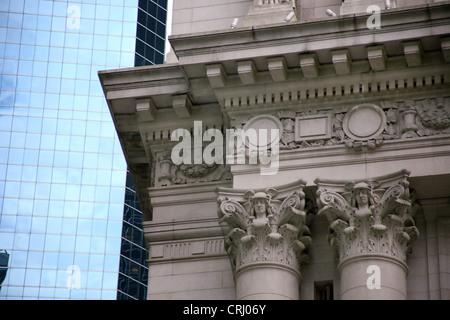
x: 133, y: 270
x: 150, y: 49
x: 62, y: 171
x: 151, y: 32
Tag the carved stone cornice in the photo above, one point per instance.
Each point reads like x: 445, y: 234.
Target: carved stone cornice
x: 265, y: 227
x: 224, y: 75
x: 241, y: 43
x: 369, y: 217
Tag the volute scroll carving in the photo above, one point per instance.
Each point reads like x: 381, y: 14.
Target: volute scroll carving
x: 265, y: 226
x: 369, y: 217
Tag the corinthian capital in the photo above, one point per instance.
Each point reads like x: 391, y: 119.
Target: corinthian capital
x: 265, y: 226
x: 369, y: 217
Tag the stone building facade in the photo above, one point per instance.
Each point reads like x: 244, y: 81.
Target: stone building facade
x: 345, y: 191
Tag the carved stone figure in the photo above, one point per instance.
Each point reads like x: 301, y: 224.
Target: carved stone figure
x: 265, y: 227
x: 371, y: 225
x: 361, y: 203
x: 361, y: 195
x: 260, y: 208
x: 265, y: 231
x: 366, y: 220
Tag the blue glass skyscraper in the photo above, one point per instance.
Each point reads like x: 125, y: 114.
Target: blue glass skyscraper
x: 133, y: 270
x: 62, y: 171
x: 151, y: 32
x: 150, y: 49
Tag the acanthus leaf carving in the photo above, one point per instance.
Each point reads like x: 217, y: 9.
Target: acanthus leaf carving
x: 434, y: 113
x: 265, y: 226
x: 334, y: 205
x: 233, y: 213
x: 369, y: 219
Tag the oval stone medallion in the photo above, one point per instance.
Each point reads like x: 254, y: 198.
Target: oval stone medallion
x: 364, y: 122
x: 263, y: 124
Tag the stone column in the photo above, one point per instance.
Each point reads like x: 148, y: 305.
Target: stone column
x: 266, y: 238
x: 371, y: 227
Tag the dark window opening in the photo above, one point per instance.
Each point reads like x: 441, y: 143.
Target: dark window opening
x: 323, y: 290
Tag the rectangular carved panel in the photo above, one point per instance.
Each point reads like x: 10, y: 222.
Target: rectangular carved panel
x: 313, y: 127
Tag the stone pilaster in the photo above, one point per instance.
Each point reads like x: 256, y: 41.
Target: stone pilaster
x: 372, y: 228
x: 266, y: 239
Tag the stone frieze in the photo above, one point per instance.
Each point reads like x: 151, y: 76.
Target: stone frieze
x: 360, y: 127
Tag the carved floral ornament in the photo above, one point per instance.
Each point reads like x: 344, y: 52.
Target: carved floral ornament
x: 362, y: 126
x: 426, y: 117
x: 369, y: 217
x: 267, y: 226
x: 167, y: 173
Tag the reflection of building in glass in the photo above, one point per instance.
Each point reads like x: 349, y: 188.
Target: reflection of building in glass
x: 151, y: 32
x: 133, y: 269
x: 4, y: 259
x: 363, y: 118
x: 62, y: 169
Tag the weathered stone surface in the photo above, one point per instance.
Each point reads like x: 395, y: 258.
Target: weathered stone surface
x: 371, y: 227
x: 267, y: 234
x: 350, y: 103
